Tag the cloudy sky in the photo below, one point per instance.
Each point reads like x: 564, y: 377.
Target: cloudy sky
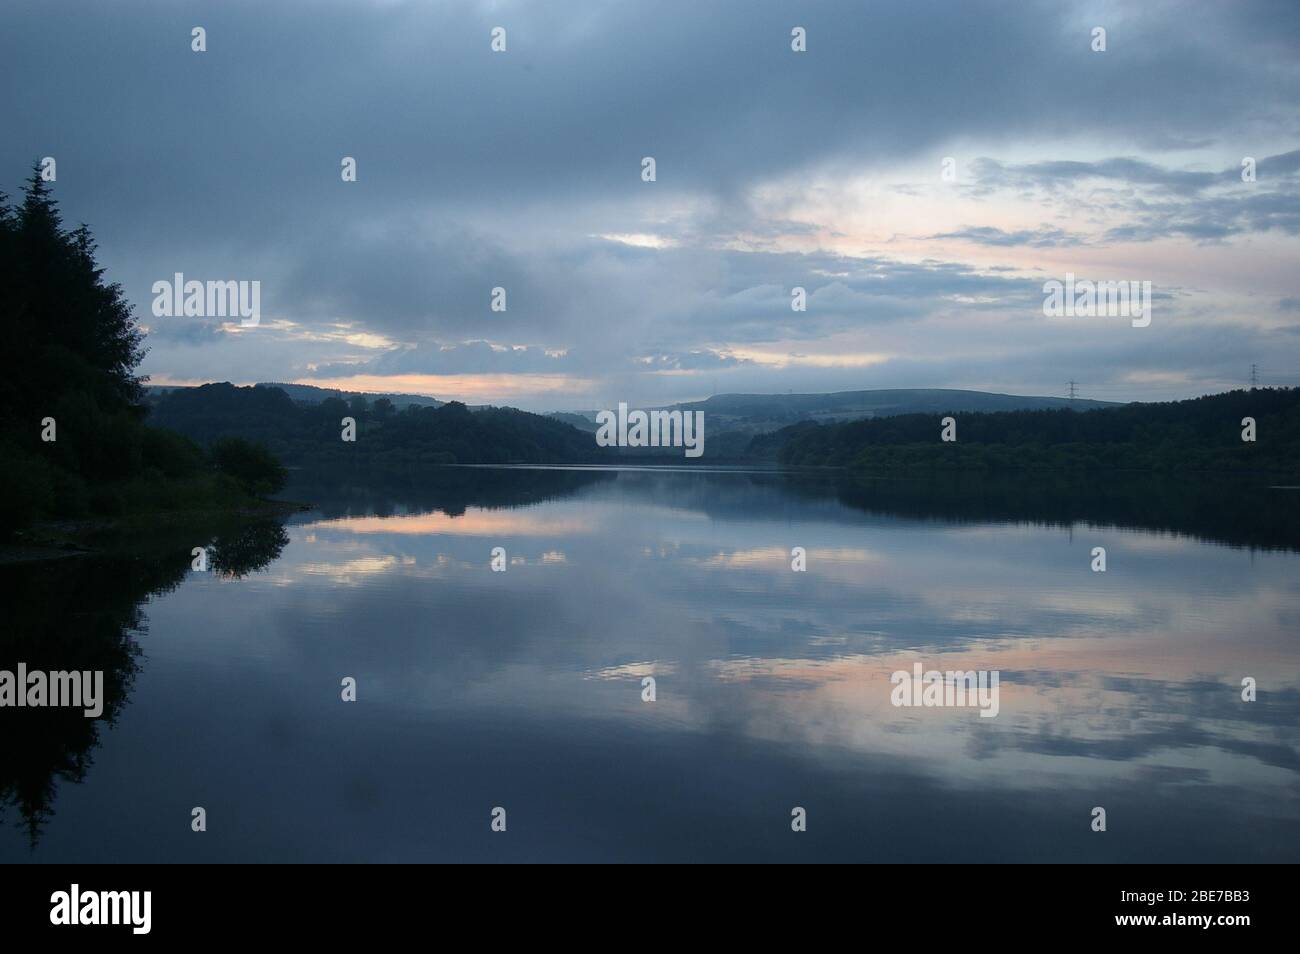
x: 822, y: 169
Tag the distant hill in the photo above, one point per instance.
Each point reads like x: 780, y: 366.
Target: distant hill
x: 575, y: 419
x: 314, y: 395
x: 759, y: 413
x: 1200, y: 434
x: 310, y: 432
x: 762, y: 413
x: 309, y: 394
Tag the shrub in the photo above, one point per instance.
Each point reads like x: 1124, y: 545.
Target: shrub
x: 250, y: 463
x: 173, y: 454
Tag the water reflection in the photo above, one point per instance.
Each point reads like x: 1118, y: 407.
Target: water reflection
x: 49, y: 631
x: 86, y: 614
x: 523, y: 688
x: 246, y: 548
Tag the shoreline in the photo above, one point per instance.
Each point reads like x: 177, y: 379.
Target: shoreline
x: 63, y: 539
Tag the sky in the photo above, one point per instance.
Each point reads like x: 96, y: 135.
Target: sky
x: 822, y: 169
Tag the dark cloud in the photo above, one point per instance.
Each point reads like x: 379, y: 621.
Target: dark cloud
x: 1214, y: 218
x: 990, y: 172
x: 479, y: 170
x: 1044, y: 237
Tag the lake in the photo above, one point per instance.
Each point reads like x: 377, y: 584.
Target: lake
x: 525, y: 688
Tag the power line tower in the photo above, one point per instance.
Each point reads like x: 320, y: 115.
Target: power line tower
x: 1254, y: 376
x: 1073, y: 394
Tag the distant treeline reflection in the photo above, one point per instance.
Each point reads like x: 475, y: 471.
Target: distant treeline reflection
x: 343, y: 491
x: 1242, y: 512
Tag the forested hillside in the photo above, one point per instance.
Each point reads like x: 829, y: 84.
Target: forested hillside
x: 299, y: 432
x: 1200, y: 434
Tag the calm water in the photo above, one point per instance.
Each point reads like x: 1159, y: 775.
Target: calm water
x: 523, y: 689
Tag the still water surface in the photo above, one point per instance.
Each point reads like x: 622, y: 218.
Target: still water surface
x: 523, y: 689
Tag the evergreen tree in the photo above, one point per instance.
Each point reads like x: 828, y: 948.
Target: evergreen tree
x: 69, y: 331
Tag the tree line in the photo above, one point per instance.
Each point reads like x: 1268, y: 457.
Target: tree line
x: 1204, y: 434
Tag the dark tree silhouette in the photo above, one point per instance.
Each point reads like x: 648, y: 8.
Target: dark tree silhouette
x: 69, y: 330
x: 74, y: 347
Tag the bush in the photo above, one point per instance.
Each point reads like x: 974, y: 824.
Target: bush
x: 173, y: 454
x: 107, y: 501
x: 26, y: 488
x: 250, y: 463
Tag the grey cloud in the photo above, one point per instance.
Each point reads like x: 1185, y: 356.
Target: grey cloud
x: 990, y: 172
x: 479, y: 169
x: 1128, y: 171
x: 257, y: 125
x: 471, y: 357
x: 1043, y: 237
x: 692, y: 361
x: 1214, y: 218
